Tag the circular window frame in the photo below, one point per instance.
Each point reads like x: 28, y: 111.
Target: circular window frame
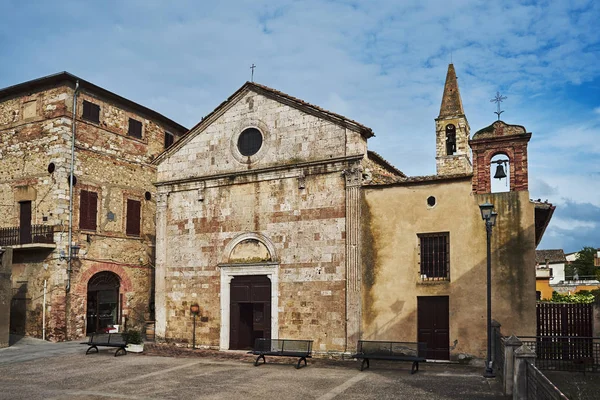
x: 435, y: 202
x: 250, y: 136
x: 235, y: 151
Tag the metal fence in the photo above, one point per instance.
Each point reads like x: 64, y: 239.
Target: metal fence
x: 539, y: 386
x: 564, y: 319
x: 565, y: 353
x: 11, y: 236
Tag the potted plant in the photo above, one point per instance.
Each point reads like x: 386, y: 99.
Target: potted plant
x: 134, y: 340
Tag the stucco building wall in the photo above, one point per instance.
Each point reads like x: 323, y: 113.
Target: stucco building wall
x: 395, y: 215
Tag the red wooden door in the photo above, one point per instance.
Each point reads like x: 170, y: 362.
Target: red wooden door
x: 433, y: 326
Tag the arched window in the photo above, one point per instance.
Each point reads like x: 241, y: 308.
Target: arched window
x: 500, y: 173
x: 450, y: 139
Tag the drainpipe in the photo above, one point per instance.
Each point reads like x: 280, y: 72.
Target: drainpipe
x: 69, y: 261
x: 44, y: 313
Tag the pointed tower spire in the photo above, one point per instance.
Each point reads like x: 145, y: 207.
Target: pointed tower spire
x: 451, y: 102
x: 453, y: 154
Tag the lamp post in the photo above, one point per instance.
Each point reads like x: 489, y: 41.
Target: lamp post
x: 195, y: 310
x: 489, y: 216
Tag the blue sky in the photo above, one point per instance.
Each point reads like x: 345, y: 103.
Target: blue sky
x: 382, y: 63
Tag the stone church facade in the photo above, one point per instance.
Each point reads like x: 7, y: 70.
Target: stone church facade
x: 275, y: 218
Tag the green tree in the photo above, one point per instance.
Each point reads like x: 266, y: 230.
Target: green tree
x: 583, y: 265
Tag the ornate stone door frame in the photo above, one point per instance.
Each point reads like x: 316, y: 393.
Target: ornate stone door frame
x: 228, y: 272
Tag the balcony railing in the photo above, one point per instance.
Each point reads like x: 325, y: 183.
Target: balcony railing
x: 13, y: 235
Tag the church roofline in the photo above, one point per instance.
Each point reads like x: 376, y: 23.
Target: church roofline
x: 384, y: 163
x: 273, y: 94
x: 423, y: 180
x: 66, y: 77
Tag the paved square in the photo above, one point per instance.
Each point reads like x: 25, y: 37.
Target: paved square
x: 63, y: 371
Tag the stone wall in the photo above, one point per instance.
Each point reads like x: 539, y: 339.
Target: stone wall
x: 291, y: 194
x: 35, y: 132
x: 460, y: 161
x: 5, y: 295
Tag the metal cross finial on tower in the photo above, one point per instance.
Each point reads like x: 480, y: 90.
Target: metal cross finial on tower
x: 252, y: 68
x: 498, y: 99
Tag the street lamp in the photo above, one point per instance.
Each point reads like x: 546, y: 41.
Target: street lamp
x: 195, y: 310
x: 489, y: 216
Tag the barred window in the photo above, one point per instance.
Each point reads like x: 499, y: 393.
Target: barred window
x: 435, y: 256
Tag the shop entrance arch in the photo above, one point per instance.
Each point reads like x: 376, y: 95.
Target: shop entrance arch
x: 103, y: 305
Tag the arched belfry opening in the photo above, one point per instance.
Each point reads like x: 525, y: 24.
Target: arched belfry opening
x: 450, y: 139
x: 493, y: 144
x: 103, y: 302
x: 249, y: 291
x: 500, y: 173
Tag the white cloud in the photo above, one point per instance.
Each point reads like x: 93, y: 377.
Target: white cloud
x: 382, y: 63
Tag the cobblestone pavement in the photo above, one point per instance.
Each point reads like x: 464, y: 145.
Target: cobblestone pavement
x: 169, y: 372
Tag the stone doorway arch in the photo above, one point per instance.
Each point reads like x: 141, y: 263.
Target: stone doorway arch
x: 103, y: 302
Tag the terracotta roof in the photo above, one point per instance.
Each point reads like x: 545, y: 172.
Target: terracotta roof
x: 499, y: 128
x: 415, y: 180
x: 451, y: 101
x: 377, y: 157
x: 553, y: 256
x: 65, y: 77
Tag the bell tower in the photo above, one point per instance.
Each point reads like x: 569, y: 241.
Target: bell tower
x: 453, y: 154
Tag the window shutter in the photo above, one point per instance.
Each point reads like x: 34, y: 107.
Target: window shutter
x: 133, y: 217
x: 168, y: 139
x: 135, y: 128
x: 83, y: 209
x: 93, y: 210
x: 88, y: 210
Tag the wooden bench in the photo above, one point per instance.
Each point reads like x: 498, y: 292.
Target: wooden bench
x: 282, y: 348
x: 393, y: 351
x: 107, y: 340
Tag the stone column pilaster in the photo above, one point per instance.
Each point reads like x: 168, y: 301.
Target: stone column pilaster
x: 353, y: 176
x: 160, y: 309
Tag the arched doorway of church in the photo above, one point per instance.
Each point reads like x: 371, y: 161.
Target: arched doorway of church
x: 103, y: 307
x: 250, y: 310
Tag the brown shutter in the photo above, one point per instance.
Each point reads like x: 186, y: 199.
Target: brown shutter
x: 83, y: 209
x: 133, y: 217
x: 92, y: 210
x: 88, y: 210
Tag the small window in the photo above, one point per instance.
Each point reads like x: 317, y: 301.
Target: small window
x: 169, y: 139
x: 88, y: 210
x: 91, y: 112
x: 133, y: 217
x: 538, y: 295
x: 250, y: 142
x: 135, y: 128
x: 431, y: 201
x: 450, y: 139
x: 435, y: 256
